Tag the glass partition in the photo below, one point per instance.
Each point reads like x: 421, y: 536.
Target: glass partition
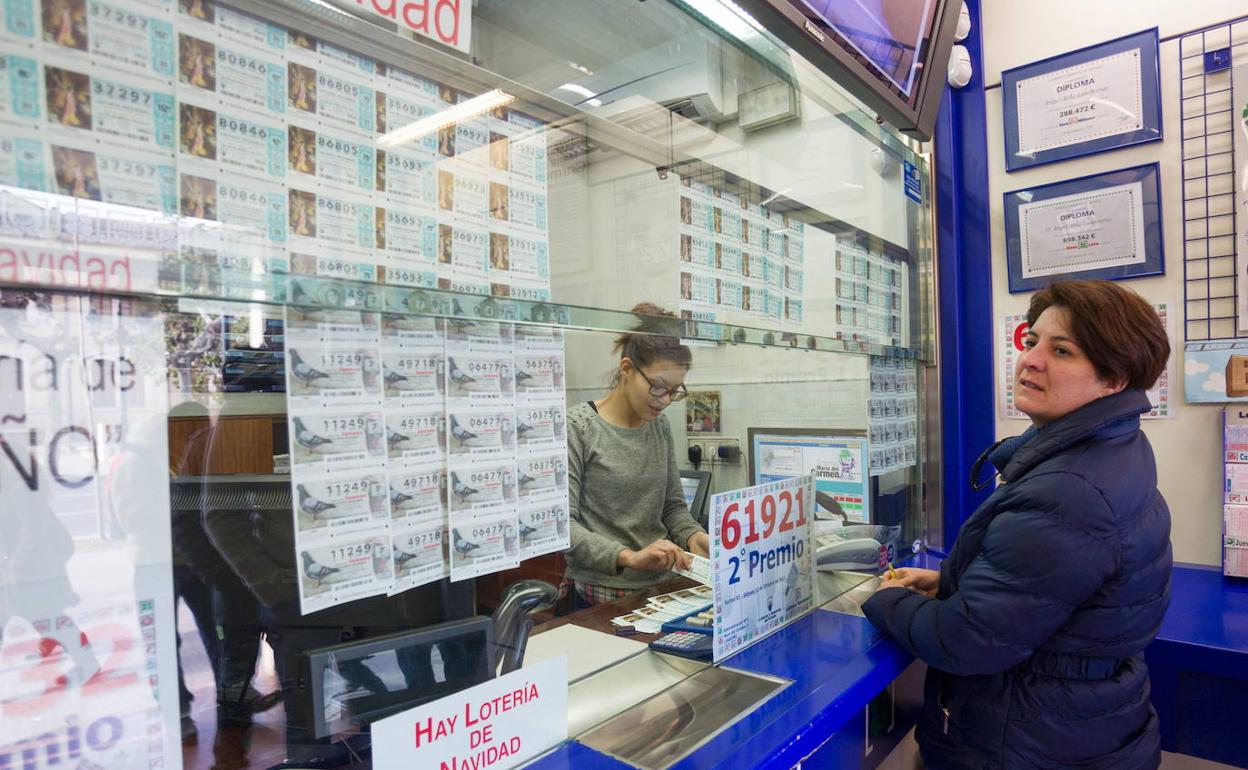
x: 294, y: 309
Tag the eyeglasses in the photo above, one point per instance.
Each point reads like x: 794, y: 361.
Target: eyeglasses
x: 678, y: 393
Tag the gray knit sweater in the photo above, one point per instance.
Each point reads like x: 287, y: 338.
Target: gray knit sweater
x: 625, y: 492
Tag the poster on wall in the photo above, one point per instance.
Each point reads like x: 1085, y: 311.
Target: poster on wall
x: 1012, y: 339
x: 1239, y: 116
x: 1215, y: 371
x: 88, y: 666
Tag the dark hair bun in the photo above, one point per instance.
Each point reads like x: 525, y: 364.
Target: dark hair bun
x: 656, y: 337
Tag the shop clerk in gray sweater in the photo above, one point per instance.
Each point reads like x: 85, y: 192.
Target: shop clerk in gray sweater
x: 630, y: 524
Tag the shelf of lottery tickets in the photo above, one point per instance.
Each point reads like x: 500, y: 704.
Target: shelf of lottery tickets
x: 1235, y: 503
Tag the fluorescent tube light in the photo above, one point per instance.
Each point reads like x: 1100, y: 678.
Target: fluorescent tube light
x: 451, y: 115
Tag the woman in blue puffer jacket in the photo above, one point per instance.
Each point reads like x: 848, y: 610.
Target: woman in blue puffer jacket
x: 1034, y: 627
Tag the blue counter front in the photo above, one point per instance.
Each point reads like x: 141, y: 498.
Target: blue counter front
x: 838, y: 663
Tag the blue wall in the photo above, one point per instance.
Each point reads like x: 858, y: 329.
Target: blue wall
x: 968, y: 406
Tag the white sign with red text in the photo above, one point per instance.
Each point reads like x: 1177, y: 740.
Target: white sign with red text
x: 449, y: 22
x: 761, y: 559
x: 496, y: 725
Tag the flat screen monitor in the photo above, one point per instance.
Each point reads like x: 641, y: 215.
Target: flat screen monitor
x: 356, y: 683
x: 836, y: 458
x: 696, y: 485
x: 891, y: 54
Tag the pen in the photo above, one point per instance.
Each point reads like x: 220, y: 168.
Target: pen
x: 892, y: 573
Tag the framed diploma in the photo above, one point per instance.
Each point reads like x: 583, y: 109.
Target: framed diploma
x: 1101, y: 226
x: 1083, y: 102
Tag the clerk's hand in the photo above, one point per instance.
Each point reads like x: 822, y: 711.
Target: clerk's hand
x: 700, y: 543
x: 659, y: 556
x: 924, y: 581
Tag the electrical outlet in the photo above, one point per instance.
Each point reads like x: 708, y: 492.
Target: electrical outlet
x: 710, y: 448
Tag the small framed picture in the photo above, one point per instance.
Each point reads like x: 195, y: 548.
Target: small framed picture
x: 702, y: 411
x: 1100, y: 226
x: 1087, y: 101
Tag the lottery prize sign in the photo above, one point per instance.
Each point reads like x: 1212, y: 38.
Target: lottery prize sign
x: 762, y: 560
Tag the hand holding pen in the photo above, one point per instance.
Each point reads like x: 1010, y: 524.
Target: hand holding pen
x: 925, y: 581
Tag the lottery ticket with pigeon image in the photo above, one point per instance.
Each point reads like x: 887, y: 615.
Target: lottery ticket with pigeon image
x: 341, y: 325
x: 482, y: 487
x: 480, y: 433
x: 479, y: 378
x: 543, y: 528
x: 533, y: 338
x: 412, y: 373
x: 539, y: 373
x: 542, y: 476
x: 327, y: 440
x: 415, y: 436
x: 418, y: 494
x: 481, y: 544
x: 340, y: 503
x: 540, y: 426
x: 477, y: 334
x: 329, y: 372
x: 342, y: 570
x: 402, y: 329
x: 421, y: 555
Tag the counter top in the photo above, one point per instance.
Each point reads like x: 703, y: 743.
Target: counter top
x: 836, y: 662
x: 1206, y: 609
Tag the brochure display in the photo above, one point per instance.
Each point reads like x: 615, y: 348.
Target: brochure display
x: 761, y: 559
x: 1097, y: 98
x: 1235, y: 500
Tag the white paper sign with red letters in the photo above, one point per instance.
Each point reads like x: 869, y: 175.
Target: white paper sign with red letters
x: 761, y: 559
x: 496, y: 725
x: 447, y: 21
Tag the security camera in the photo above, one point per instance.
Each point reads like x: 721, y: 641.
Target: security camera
x: 960, y: 70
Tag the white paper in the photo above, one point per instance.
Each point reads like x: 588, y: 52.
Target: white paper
x: 1077, y: 104
x: 501, y: 723
x: 1083, y: 231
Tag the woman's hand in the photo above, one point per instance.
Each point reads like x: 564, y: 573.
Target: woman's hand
x: 700, y: 543
x: 925, y: 581
x: 659, y: 556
